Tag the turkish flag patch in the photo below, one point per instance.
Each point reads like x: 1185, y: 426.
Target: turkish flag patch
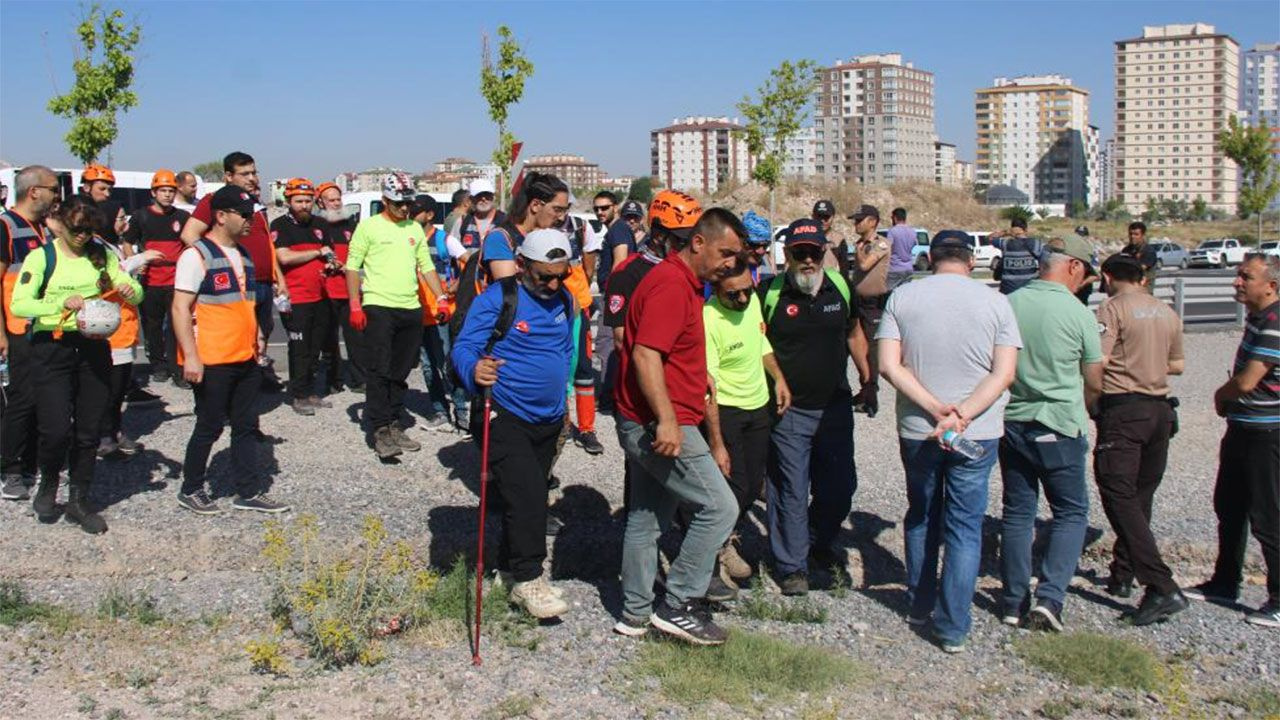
x: 222, y: 281
x: 793, y: 310
x: 176, y: 226
x: 615, y: 303
x: 318, y: 233
x: 522, y: 326
x: 33, y: 244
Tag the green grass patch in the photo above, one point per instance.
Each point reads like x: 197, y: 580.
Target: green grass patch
x: 1258, y: 701
x: 1091, y: 659
x: 759, y: 604
x: 120, y: 604
x: 16, y: 608
x: 748, y: 670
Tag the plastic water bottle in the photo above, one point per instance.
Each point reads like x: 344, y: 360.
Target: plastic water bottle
x: 962, y: 445
x: 283, y: 306
x: 4, y: 371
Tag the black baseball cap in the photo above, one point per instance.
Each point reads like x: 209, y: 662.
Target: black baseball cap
x: 865, y: 211
x: 230, y: 197
x: 804, y: 232
x: 952, y: 239
x: 631, y: 208
x: 824, y: 209
x: 1121, y: 260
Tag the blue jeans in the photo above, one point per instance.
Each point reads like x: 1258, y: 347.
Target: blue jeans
x: 437, y: 376
x: 946, y: 502
x: 658, y: 485
x: 809, y: 451
x: 1031, y: 456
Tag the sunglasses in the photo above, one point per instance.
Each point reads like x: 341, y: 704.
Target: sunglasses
x: 483, y: 197
x: 547, y: 278
x: 743, y: 294
x: 602, y: 208
x: 806, y: 253
x: 399, y: 203
x: 81, y: 230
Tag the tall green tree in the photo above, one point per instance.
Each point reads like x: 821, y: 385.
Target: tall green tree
x: 104, y: 73
x: 502, y: 85
x: 209, y: 171
x: 1250, y: 148
x: 641, y: 190
x: 775, y: 115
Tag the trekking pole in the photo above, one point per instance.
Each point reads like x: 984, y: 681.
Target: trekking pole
x: 484, y: 486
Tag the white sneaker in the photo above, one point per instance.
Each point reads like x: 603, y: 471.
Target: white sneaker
x: 538, y: 598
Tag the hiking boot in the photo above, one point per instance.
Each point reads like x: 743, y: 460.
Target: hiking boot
x: 1119, y: 588
x: 1043, y: 617
x: 589, y: 442
x: 538, y: 598
x: 127, y: 445
x: 384, y: 443
x: 301, y: 406
x: 797, y: 583
x: 689, y: 623
x: 261, y: 502
x: 504, y: 579
x: 404, y: 441
x: 720, y: 591
x: 1158, y: 607
x: 78, y: 512
x: 732, y: 562
x: 1209, y: 591
x: 199, y: 503
x: 631, y: 627
x: 316, y: 401
x: 159, y: 374
x: 139, y: 397
x: 1266, y: 616
x: 13, y: 488
x: 44, y: 504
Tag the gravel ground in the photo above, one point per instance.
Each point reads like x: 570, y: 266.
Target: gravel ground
x: 208, y: 575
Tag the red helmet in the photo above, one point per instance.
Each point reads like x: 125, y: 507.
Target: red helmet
x: 95, y: 172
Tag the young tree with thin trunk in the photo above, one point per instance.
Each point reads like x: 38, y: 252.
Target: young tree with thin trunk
x: 1250, y: 148
x: 780, y: 108
x: 502, y: 85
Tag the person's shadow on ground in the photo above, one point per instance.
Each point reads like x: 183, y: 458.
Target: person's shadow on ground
x: 589, y: 545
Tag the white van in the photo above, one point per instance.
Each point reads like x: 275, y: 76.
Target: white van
x: 361, y: 205
x: 132, y: 189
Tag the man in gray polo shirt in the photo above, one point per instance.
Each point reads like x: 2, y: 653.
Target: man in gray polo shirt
x: 949, y: 345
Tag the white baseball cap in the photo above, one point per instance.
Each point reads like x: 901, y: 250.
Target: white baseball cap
x: 545, y: 246
x: 480, y: 185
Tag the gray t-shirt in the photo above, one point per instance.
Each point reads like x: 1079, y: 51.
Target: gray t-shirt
x: 949, y: 326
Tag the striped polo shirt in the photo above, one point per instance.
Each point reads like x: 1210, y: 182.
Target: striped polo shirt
x: 1260, y: 408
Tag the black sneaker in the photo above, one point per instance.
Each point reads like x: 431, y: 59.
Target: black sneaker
x: 795, y: 584
x: 1043, y: 617
x: 688, y: 623
x: 199, y: 503
x: 1209, y: 591
x: 181, y: 383
x: 720, y: 591
x: 302, y: 407
x: 554, y: 525
x: 1158, y: 607
x: 261, y: 502
x: 160, y: 374
x: 139, y: 397
x: 13, y: 488
x: 1119, y: 588
x: 589, y: 442
x: 126, y: 445
x: 631, y: 627
x: 316, y: 401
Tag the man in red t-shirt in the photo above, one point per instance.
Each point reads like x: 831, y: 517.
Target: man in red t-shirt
x: 239, y: 169
x: 661, y: 401
x: 158, y: 227
x: 299, y: 239
x: 339, y: 225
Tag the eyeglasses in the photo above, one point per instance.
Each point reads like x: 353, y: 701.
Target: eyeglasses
x: 50, y: 188
x: 806, y: 253
x: 602, y: 208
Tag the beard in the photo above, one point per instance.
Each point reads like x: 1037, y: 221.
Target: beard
x: 536, y: 290
x: 808, y: 283
x: 333, y: 216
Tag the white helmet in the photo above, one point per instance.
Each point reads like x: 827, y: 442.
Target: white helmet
x: 98, y: 319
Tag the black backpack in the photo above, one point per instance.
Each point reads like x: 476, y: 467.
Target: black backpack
x: 507, y: 317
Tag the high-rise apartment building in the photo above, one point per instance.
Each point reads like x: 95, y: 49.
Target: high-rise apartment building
x: 798, y: 161
x: 1260, y: 92
x: 944, y: 163
x: 874, y: 121
x: 700, y: 153
x: 1176, y: 88
x: 1032, y: 136
x: 1107, y: 172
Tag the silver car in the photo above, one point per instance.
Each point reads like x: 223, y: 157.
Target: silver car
x: 1171, y: 254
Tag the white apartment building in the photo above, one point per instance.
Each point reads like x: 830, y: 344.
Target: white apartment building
x: 874, y: 121
x: 944, y: 163
x: 1031, y: 136
x: 800, y: 154
x: 1106, y: 172
x: 1093, y: 165
x: 1176, y: 88
x: 700, y: 153
x: 1260, y: 92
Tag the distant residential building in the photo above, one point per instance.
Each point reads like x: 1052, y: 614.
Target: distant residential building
x: 439, y: 182
x: 620, y: 184
x: 944, y: 163
x: 1093, y: 165
x: 700, y: 153
x: 1260, y: 92
x: 874, y: 120
x: 575, y: 170
x: 800, y: 154
x: 1031, y: 136
x: 364, y: 181
x: 1106, y: 172
x: 964, y: 172
x: 453, y: 164
x: 1176, y: 88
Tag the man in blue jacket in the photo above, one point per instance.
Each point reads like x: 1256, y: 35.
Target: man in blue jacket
x: 518, y: 342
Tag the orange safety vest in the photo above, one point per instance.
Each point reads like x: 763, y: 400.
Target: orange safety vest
x: 22, y: 240
x: 225, y: 324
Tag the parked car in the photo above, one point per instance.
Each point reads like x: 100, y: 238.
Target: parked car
x: 1217, y: 253
x: 1171, y: 254
x: 1271, y: 247
x: 986, y: 252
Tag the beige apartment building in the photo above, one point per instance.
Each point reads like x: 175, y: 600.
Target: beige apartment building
x: 1033, y: 135
x: 1176, y: 88
x: 700, y: 153
x: 874, y: 121
x: 575, y: 170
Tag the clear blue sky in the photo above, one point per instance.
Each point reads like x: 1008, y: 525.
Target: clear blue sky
x: 312, y: 88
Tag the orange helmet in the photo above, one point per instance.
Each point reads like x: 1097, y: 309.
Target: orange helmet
x: 164, y: 178
x: 299, y: 186
x: 93, y: 173
x: 325, y: 186
x: 674, y: 211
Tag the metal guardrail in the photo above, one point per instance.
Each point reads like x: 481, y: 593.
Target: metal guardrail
x: 1185, y: 292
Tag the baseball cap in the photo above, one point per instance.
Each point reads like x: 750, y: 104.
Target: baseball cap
x: 804, y: 232
x: 1075, y: 247
x: 397, y: 187
x: 230, y: 197
x: 1121, y: 260
x: 631, y: 208
x: 824, y: 209
x: 951, y: 239
x: 1082, y: 231
x: 547, y: 245
x: 480, y: 186
x: 424, y: 203
x: 864, y: 211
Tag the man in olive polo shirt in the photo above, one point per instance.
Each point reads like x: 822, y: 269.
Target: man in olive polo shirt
x: 1045, y: 440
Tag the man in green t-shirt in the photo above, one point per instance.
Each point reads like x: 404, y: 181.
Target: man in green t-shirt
x: 1045, y: 440
x: 390, y: 249
x: 738, y: 354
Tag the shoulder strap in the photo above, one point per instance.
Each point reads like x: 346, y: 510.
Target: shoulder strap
x: 506, y: 315
x: 771, y: 295
x: 50, y: 262
x: 841, y: 286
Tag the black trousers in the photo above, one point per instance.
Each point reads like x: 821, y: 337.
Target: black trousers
x: 520, y: 457
x: 1128, y: 464
x: 393, y: 337
x: 1246, y: 497
x: 746, y: 434
x: 18, y: 429
x: 227, y: 393
x: 357, y: 354
x: 157, y: 329
x: 73, y: 377
x: 308, y: 328
x: 121, y: 379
